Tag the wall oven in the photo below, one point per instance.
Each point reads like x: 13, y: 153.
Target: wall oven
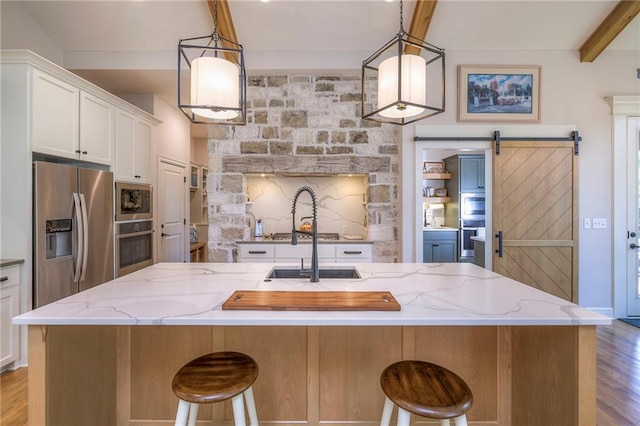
x: 133, y: 201
x: 134, y: 246
x: 470, y: 228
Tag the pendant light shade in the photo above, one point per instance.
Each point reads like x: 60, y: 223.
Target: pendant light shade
x: 213, y: 91
x: 413, y: 88
x: 403, y: 81
x: 214, y: 81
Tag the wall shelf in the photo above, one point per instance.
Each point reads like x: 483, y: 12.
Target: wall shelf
x: 434, y: 200
x: 436, y: 176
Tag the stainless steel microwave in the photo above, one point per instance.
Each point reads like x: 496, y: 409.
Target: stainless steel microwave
x: 472, y: 206
x: 134, y: 201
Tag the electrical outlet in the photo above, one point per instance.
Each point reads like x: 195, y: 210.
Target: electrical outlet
x: 599, y: 223
x: 343, y: 229
x: 586, y: 223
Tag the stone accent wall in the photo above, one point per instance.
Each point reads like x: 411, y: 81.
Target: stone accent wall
x: 302, y: 125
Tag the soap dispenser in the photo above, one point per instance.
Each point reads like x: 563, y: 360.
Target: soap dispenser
x: 258, y: 231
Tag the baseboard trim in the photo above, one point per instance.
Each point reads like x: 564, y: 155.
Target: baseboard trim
x: 607, y: 312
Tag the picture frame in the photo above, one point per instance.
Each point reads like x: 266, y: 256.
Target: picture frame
x: 433, y: 167
x: 499, y: 93
x: 441, y: 192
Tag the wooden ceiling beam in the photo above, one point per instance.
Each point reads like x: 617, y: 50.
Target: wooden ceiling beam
x: 624, y: 12
x: 225, y: 22
x: 420, y: 22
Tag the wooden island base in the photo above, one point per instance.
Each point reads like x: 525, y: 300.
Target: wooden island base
x: 312, y: 375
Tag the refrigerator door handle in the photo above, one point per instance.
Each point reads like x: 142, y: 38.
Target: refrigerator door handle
x: 85, y: 228
x: 80, y: 236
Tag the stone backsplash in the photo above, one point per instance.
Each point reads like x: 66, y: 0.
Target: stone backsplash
x: 301, y: 126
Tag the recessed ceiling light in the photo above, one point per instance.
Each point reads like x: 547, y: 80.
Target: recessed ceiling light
x: 264, y: 1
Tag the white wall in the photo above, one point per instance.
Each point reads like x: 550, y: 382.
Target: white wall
x: 571, y: 93
x: 22, y: 31
x: 173, y: 138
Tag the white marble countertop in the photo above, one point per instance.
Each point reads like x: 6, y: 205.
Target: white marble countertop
x: 429, y: 294
x: 439, y: 228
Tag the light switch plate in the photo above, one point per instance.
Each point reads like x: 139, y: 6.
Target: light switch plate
x: 599, y: 223
x: 586, y: 223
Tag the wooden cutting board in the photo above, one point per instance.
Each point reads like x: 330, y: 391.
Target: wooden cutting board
x: 312, y: 301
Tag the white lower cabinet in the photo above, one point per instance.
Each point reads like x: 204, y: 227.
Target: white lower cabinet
x: 258, y: 253
x: 9, y: 307
x: 286, y: 253
x: 362, y: 253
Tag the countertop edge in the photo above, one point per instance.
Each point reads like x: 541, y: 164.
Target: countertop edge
x: 10, y: 262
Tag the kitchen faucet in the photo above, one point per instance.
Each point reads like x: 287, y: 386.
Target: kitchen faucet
x: 314, y: 273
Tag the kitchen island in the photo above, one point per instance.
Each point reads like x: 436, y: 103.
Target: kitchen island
x: 107, y: 355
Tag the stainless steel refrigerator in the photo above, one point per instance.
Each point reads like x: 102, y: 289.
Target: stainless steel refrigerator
x: 72, y: 230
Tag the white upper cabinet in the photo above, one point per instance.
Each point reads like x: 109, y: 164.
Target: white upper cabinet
x: 133, y: 148
x: 96, y: 129
x: 69, y: 122
x: 54, y: 119
x: 142, y: 151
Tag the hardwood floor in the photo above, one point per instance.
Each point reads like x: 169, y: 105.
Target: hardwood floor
x: 13, y: 397
x: 618, y: 374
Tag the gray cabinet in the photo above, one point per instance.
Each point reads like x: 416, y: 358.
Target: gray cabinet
x: 478, y: 252
x: 472, y: 174
x: 439, y: 246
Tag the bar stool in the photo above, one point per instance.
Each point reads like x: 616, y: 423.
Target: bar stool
x: 216, y: 377
x: 424, y: 389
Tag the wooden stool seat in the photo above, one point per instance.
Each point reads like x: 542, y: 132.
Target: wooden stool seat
x: 216, y: 377
x: 426, y: 389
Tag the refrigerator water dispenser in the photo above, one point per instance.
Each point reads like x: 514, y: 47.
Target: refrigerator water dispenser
x: 58, y: 238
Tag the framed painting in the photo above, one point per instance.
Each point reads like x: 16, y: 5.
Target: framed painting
x: 497, y: 93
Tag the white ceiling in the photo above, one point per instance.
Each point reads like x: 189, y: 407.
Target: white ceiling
x: 131, y: 46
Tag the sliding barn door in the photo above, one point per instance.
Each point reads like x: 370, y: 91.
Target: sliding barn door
x: 535, y: 215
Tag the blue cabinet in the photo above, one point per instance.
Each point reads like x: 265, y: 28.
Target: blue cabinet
x: 439, y: 246
x: 472, y: 174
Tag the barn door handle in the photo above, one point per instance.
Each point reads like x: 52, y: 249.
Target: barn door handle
x: 499, y: 237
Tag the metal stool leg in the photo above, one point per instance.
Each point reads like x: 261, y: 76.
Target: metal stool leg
x: 238, y: 410
x: 193, y: 414
x: 386, y: 413
x: 183, y: 412
x: 445, y: 422
x: 251, y: 406
x: 404, y: 417
x: 461, y: 420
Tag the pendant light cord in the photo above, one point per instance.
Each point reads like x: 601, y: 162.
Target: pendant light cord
x: 402, y: 32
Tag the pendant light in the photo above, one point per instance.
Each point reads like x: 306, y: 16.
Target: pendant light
x: 407, y: 74
x: 216, y: 92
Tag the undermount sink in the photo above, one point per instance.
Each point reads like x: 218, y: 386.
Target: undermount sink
x: 288, y: 272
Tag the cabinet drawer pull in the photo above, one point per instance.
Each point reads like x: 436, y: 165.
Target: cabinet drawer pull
x: 4, y: 279
x: 257, y: 252
x: 352, y: 252
x: 137, y: 176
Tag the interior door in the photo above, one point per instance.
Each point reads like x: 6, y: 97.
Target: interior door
x: 535, y: 217
x: 172, y: 190
x: 633, y: 216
